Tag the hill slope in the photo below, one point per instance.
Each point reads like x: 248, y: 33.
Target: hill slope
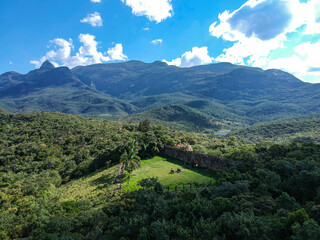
x: 305, y: 128
x: 224, y: 91
x: 56, y: 89
x: 176, y: 116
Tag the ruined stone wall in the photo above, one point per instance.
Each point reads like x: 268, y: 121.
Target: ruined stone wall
x: 203, y: 160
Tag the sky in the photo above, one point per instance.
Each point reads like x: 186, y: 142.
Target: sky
x: 282, y: 34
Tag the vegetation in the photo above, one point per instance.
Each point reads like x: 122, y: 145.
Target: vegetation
x: 59, y: 175
x: 160, y: 167
x: 95, y: 189
x: 197, y: 99
x: 177, y: 117
x: 284, y: 131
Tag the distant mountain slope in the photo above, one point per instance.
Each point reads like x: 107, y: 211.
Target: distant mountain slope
x: 306, y: 128
x: 207, y: 106
x: 56, y: 89
x: 247, y: 84
x: 226, y: 92
x: 224, y: 67
x: 135, y: 79
x: 10, y: 78
x: 177, y: 116
x: 223, y: 82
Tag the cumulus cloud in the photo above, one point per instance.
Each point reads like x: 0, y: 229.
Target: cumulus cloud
x: 304, y: 63
x: 197, y: 56
x: 257, y: 27
x: 156, y: 41
x: 312, y: 16
x: 93, y: 19
x: 62, y: 51
x: 87, y: 54
x: 96, y: 1
x: 116, y: 53
x: 154, y: 10
x: 266, y: 20
x: 261, y: 26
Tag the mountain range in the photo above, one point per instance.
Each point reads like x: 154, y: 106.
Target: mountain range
x: 211, y: 96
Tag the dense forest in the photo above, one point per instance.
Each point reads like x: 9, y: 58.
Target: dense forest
x: 272, y: 193
x: 303, y: 128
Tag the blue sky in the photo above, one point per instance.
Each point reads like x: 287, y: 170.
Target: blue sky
x: 281, y: 34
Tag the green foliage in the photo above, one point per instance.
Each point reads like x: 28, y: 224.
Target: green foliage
x: 144, y: 126
x: 129, y: 158
x: 309, y: 230
x: 178, y: 117
x: 287, y: 202
x: 59, y: 180
x: 303, y: 129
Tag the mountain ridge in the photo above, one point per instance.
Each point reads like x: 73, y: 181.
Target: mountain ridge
x: 224, y: 91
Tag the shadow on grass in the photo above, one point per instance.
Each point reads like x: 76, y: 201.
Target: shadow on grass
x: 105, y: 180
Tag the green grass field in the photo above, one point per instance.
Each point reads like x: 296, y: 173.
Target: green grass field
x: 97, y: 187
x: 160, y: 167
x: 101, y: 185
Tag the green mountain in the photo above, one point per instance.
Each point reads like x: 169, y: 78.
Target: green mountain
x: 207, y: 106
x: 223, y: 91
x: 249, y: 94
x: 223, y: 81
x: 56, y: 90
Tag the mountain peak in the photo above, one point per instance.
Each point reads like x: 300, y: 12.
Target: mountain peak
x: 47, y: 65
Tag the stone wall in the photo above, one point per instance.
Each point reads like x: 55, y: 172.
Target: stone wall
x: 203, y: 160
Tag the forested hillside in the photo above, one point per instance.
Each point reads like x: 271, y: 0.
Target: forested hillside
x: 59, y: 176
x: 304, y: 128
x: 178, y: 117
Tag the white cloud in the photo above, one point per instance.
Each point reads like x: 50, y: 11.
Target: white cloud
x: 146, y: 29
x: 156, y: 41
x: 93, y: 19
x: 197, y: 56
x: 312, y: 16
x: 10, y: 63
x: 257, y: 27
x: 87, y: 54
x: 261, y: 26
x: 154, y: 10
x: 96, y: 1
x: 116, y: 53
x: 62, y: 51
x: 304, y: 63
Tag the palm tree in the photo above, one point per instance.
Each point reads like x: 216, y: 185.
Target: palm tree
x: 129, y: 159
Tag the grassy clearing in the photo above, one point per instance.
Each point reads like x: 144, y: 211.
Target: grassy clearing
x: 160, y: 167
x: 97, y: 187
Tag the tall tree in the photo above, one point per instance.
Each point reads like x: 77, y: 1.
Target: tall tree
x: 130, y: 158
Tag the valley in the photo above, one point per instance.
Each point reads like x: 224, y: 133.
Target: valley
x: 83, y: 153
x: 160, y: 120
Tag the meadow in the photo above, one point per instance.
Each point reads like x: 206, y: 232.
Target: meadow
x: 97, y: 187
x: 160, y: 167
